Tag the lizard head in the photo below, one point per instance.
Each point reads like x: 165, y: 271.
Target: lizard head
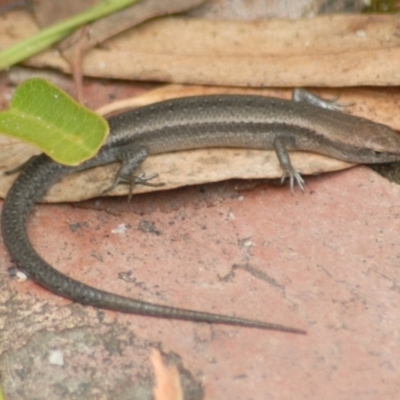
x: 372, y: 143
x: 381, y: 143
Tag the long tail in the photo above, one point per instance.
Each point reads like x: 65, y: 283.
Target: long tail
x: 30, y: 187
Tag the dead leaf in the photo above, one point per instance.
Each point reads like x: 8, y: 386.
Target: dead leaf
x: 74, y: 47
x: 335, y: 50
x: 122, y: 20
x: 49, y: 12
x: 167, y: 382
x: 268, y: 9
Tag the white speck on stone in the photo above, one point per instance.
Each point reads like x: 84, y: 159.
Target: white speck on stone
x: 247, y: 243
x: 102, y: 65
x: 121, y: 228
x: 56, y: 357
x: 241, y: 198
x: 22, y: 277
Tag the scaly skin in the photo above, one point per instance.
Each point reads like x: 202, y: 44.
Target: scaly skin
x: 188, y: 123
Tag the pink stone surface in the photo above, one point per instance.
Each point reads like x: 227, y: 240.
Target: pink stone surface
x: 326, y: 261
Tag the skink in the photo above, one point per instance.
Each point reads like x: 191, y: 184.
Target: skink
x: 242, y: 121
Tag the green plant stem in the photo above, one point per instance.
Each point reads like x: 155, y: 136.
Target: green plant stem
x: 47, y: 36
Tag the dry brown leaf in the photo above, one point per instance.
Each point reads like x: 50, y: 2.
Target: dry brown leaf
x: 49, y: 12
x: 268, y: 9
x: 167, y: 382
x: 338, y: 50
x: 122, y: 20
x: 74, y: 47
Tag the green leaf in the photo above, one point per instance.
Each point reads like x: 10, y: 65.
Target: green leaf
x: 44, y: 115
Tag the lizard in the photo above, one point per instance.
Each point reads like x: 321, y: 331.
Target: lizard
x: 305, y: 123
